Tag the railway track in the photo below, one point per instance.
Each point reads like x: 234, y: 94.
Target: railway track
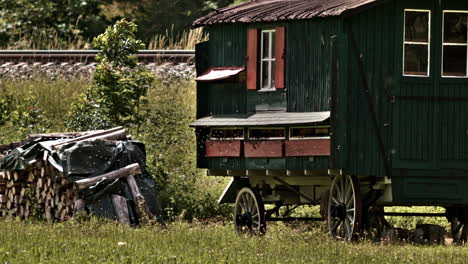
x: 88, y: 56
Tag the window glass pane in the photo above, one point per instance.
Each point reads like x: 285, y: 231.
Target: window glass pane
x: 266, y: 45
x: 218, y: 133
x: 265, y: 72
x: 455, y: 30
x: 416, y: 26
x: 267, y: 133
x: 273, y: 42
x: 307, y: 132
x: 272, y: 74
x: 455, y: 60
x: 416, y: 59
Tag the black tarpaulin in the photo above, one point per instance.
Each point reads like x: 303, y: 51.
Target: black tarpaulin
x: 88, y: 159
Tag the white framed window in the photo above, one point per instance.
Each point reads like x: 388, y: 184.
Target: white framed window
x: 267, y: 60
x: 416, y: 43
x: 455, y: 44
x: 226, y: 133
x: 314, y: 132
x: 267, y: 133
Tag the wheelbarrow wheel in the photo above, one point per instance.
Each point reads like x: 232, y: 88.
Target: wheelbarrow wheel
x: 249, y: 213
x: 344, y: 208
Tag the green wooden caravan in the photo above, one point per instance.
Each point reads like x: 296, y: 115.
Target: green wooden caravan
x: 352, y: 105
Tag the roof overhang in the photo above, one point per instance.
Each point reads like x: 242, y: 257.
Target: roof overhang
x: 264, y: 119
x: 219, y: 73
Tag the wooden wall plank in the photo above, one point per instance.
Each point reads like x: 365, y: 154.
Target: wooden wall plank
x: 263, y: 149
x: 310, y: 147
x: 223, y: 148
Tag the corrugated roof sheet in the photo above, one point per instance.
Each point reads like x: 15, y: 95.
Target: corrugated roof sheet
x: 278, y: 10
x: 263, y: 119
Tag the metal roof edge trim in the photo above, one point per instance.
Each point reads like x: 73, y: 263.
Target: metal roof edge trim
x: 264, y: 119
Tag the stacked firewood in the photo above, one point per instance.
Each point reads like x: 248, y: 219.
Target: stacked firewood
x: 41, y: 191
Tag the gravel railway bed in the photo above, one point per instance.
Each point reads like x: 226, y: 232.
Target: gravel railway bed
x: 87, y: 56
x: 55, y: 64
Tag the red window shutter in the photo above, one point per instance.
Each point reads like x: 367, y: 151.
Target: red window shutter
x: 252, y: 58
x: 280, y: 50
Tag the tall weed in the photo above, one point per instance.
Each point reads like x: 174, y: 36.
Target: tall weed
x: 184, y: 41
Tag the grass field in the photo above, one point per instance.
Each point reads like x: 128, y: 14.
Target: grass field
x: 185, y: 194
x: 99, y: 242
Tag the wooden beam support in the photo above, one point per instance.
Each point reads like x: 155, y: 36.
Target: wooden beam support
x: 240, y: 173
x: 295, y: 173
x: 281, y: 173
x: 143, y: 211
x: 217, y: 172
x: 256, y: 173
x: 121, y: 209
x: 133, y: 169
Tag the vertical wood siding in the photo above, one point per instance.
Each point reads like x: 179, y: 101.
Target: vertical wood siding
x: 374, y: 33
x: 308, y: 61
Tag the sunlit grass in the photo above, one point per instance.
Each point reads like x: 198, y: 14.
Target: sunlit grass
x: 105, y: 242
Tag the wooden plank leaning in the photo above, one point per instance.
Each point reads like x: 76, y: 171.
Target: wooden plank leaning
x: 113, y: 133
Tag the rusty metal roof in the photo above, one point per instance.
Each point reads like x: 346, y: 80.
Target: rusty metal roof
x: 278, y: 10
x: 263, y: 119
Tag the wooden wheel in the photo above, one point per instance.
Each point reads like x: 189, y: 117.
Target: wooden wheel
x: 344, y: 208
x: 249, y: 213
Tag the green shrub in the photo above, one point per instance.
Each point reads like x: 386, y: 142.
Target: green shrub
x: 19, y: 116
x: 115, y: 97
x: 185, y: 191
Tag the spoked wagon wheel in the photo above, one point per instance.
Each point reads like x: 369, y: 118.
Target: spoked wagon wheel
x: 249, y: 213
x: 344, y: 208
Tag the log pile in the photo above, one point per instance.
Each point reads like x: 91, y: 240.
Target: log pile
x: 44, y: 192
x: 41, y: 191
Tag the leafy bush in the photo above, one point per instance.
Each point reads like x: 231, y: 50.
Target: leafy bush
x: 19, y: 116
x: 119, y: 84
x: 171, y: 145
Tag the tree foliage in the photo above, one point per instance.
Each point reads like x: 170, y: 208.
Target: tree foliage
x: 48, y: 19
x: 160, y: 16
x: 84, y: 19
x: 119, y: 86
